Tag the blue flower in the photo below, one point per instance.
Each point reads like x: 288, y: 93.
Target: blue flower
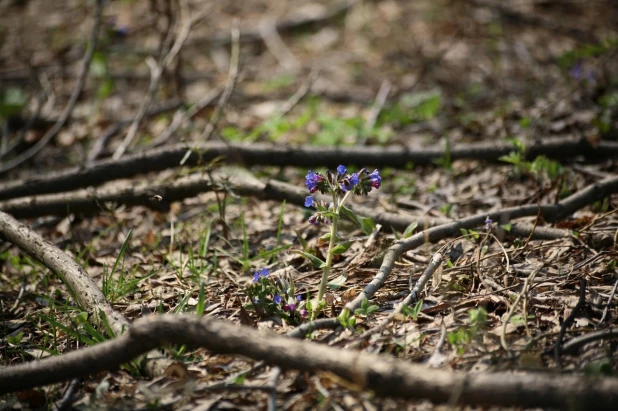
x: 488, y: 223
x: 299, y: 297
x: 375, y: 179
x: 311, y: 181
x: 277, y: 299
x: 309, y: 201
x: 350, y: 182
x: 261, y: 273
x: 342, y: 170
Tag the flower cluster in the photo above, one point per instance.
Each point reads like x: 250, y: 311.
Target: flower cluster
x: 275, y: 297
x: 340, y: 183
x: 488, y: 223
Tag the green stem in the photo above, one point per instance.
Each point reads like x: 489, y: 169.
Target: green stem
x: 329, y: 256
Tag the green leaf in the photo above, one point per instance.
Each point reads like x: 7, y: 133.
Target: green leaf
x: 317, y: 262
x: 367, y: 225
x: 507, y: 227
x: 338, y: 282
x: 342, y: 247
x: 410, y: 230
x: 301, y: 240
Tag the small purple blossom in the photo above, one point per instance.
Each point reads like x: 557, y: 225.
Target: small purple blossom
x: 313, y: 219
x: 309, y: 201
x: 299, y: 297
x: 488, y: 223
x: 375, y: 179
x: 277, y: 299
x: 303, y: 313
x: 289, y: 307
x: 349, y: 182
x: 261, y: 273
x: 342, y: 170
x: 311, y: 181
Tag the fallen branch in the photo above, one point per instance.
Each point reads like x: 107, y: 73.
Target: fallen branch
x: 384, y: 375
x: 298, y: 156
x: 104, y: 199
x: 77, y: 280
x: 551, y: 212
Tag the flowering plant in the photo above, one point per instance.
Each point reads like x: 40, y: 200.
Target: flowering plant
x: 276, y: 297
x: 339, y: 185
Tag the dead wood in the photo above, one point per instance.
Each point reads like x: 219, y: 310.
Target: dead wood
x: 297, y: 156
x: 384, y: 375
x: 550, y: 212
x: 145, y: 194
x: 77, y: 280
x: 68, y: 110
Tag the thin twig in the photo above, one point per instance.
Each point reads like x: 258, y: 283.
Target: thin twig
x: 299, y: 95
x: 81, y: 79
x: 156, y: 71
x: 181, y: 116
x: 276, y: 46
x: 580, y: 304
x: 377, y: 107
x: 609, y: 303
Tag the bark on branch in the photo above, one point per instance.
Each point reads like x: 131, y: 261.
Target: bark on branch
x: 382, y: 374
x: 298, y: 156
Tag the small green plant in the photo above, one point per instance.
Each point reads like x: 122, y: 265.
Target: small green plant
x: 541, y: 167
x: 413, y: 311
x: 270, y: 297
x: 366, y: 309
x: 461, y: 338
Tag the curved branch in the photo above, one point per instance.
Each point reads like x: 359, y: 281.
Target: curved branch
x: 298, y: 156
x: 382, y: 374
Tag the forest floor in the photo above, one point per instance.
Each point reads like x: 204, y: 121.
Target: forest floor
x: 368, y: 78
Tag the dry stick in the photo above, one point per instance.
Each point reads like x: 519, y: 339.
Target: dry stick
x: 87, y: 294
x: 381, y: 97
x: 81, y: 79
x: 181, y: 116
x: 156, y: 71
x: 609, y: 303
x: 97, y: 200
x: 514, y: 306
x: 278, y: 155
x: 223, y: 100
x: 569, y: 320
x: 409, y: 300
x: 573, y: 345
x: 112, y: 130
x: 19, y: 138
x: 289, y: 105
x: 77, y: 280
x: 383, y: 375
x: 252, y: 35
x: 276, y: 46
x: 550, y: 212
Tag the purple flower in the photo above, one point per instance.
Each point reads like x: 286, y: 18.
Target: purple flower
x: 311, y: 181
x: 289, y: 307
x: 350, y: 182
x: 261, y: 273
x: 488, y: 223
x: 342, y: 170
x: 277, y: 299
x: 313, y: 219
x: 299, y: 297
x: 309, y: 201
x: 375, y: 179
x: 303, y: 313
